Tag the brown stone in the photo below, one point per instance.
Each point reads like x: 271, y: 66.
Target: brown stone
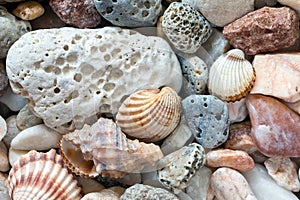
x: 275, y: 128
x: 266, y: 29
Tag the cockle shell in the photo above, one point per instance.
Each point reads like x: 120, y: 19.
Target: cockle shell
x: 150, y: 115
x: 231, y: 76
x: 42, y: 176
x: 112, y: 153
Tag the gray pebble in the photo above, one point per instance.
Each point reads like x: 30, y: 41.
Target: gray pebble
x: 26, y: 119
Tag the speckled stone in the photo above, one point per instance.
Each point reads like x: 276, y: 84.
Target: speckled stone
x: 85, y: 17
x: 133, y: 13
x: 207, y: 118
x: 266, y: 29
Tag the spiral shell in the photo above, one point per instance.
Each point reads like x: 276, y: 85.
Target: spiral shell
x: 42, y: 176
x: 150, y: 115
x: 231, y: 76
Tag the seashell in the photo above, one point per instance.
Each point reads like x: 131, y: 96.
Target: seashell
x: 42, y: 176
x: 113, y: 155
x: 231, y: 76
x: 150, y: 115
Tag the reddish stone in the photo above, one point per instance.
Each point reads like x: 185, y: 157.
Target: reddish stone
x: 275, y: 128
x: 266, y: 29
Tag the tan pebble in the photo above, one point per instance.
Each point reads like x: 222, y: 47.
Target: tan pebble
x: 14, y: 155
x: 29, y: 10
x: 4, y: 164
x: 235, y: 159
x: 284, y: 172
x: 89, y: 185
x: 3, y: 128
x: 26, y: 119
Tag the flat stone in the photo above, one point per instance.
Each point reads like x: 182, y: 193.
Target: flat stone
x: 275, y: 128
x: 237, y: 110
x: 26, y: 119
x: 229, y: 184
x: 4, y: 163
x: 278, y: 75
x: 235, y: 159
x: 266, y: 29
x: 12, y: 130
x: 284, y: 172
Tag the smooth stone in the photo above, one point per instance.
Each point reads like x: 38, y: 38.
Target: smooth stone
x: 139, y: 191
x: 207, y: 118
x: 278, y: 75
x: 229, y: 184
x: 14, y: 155
x: 26, y: 119
x: 275, y: 128
x: 38, y: 137
x: 262, y: 3
x: 237, y: 110
x: 235, y: 159
x: 3, y: 128
x: 4, y: 161
x: 294, y: 106
x: 12, y: 130
x: 151, y: 178
x: 89, y: 185
x: 4, y: 193
x: 12, y: 101
x: 29, y: 10
x: 264, y: 187
x: 199, y: 184
x: 131, y: 179
x: 258, y: 157
x: 183, y: 196
x: 93, y: 196
x: 93, y: 77
x: 284, y: 172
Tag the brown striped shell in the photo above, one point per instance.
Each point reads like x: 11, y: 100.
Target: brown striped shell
x: 231, y: 76
x: 150, y: 115
x: 42, y: 176
x: 112, y: 154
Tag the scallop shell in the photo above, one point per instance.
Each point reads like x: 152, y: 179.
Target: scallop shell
x: 231, y: 76
x: 150, y: 115
x: 113, y: 155
x: 42, y: 176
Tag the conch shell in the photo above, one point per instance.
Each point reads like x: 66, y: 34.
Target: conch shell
x: 231, y: 76
x: 150, y: 115
x: 42, y: 176
x: 112, y: 153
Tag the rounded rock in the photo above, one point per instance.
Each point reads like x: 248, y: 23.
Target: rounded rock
x: 26, y: 119
x: 12, y: 130
x: 4, y: 163
x: 29, y: 10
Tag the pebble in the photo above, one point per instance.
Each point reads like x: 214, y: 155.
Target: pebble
x: 130, y: 179
x: 263, y: 3
x: 12, y: 101
x: 266, y: 29
x: 264, y: 187
x: 38, y: 137
x: 185, y: 27
x: 275, y: 128
x: 294, y: 106
x: 240, y: 137
x: 85, y: 17
x: 151, y: 178
x: 89, y: 185
x: 3, y: 128
x: 112, y: 193
x: 207, y: 118
x: 3, y: 79
x: 229, y: 184
x: 12, y: 130
x: 26, y: 119
x: 284, y: 172
x: 4, y: 194
x: 237, y: 110
x: 235, y: 159
x: 291, y: 3
x: 129, y: 13
x: 11, y: 30
x: 139, y: 191
x: 220, y: 12
x: 14, y: 155
x: 4, y: 163
x: 29, y: 10
x: 278, y: 75
x: 177, y: 169
x: 258, y: 157
x: 86, y: 74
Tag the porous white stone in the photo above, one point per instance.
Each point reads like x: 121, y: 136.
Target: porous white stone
x: 12, y: 130
x: 88, y: 71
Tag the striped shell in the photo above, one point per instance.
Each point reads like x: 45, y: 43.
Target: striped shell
x: 231, y: 76
x: 150, y: 115
x: 42, y: 176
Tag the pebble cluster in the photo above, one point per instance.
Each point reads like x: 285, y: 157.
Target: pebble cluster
x: 149, y: 99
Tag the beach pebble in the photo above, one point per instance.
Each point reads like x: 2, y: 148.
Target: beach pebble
x: 151, y: 178
x: 266, y: 29
x: 130, y: 179
x: 12, y: 101
x: 4, y: 162
x: 275, y: 128
x: 294, y: 106
x: 139, y: 191
x: 295, y: 4
x: 26, y: 119
x: 278, y: 75
x: 11, y: 30
x: 130, y: 13
x: 185, y: 27
x: 258, y: 157
x: 12, y: 130
x: 284, y: 172
x: 4, y: 194
x: 237, y: 110
x: 88, y: 71
x: 3, y: 128
x: 264, y: 187
x: 29, y: 10
x: 3, y: 79
x: 89, y: 185
x: 229, y: 184
x: 112, y: 193
x: 14, y: 155
x: 262, y: 3
x: 207, y: 118
x: 38, y: 137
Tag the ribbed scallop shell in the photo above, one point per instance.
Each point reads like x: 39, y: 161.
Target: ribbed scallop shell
x: 150, y: 115
x: 42, y: 176
x: 231, y: 76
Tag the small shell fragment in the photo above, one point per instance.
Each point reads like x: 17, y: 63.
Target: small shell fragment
x: 29, y: 10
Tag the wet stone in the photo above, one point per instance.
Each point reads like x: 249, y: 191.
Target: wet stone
x: 207, y: 118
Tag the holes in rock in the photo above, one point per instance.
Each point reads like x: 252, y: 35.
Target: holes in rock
x: 77, y: 37
x: 115, y: 52
x: 77, y: 77
x: 115, y: 74
x: 296, y: 88
x: 145, y: 13
x: 98, y: 92
x: 66, y: 47
x: 117, y: 19
x: 37, y: 65
x: 98, y: 36
x: 72, y: 57
x: 40, y: 88
x: 147, y: 4
x: 56, y: 90
x: 86, y: 68
x: 46, y: 54
x: 57, y: 70
x: 205, y: 105
x: 102, y: 48
x: 192, y: 101
x: 60, y: 61
x: 201, y: 115
x: 49, y: 69
x: 109, y: 10
x: 108, y: 87
x: 107, y: 57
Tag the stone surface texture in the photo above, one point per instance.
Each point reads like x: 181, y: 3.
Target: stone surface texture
x: 237, y: 110
x: 262, y: 3
x: 294, y: 106
x: 12, y: 101
x: 29, y: 10
x: 89, y: 71
x: 3, y: 128
x: 26, y: 119
x: 185, y: 27
x: 89, y: 185
x: 85, y: 17
x: 12, y: 130
x: 14, y: 155
x: 295, y: 4
x: 3, y: 79
x: 228, y: 184
x: 275, y: 128
x: 4, y: 162
x: 266, y: 29
x: 278, y: 75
